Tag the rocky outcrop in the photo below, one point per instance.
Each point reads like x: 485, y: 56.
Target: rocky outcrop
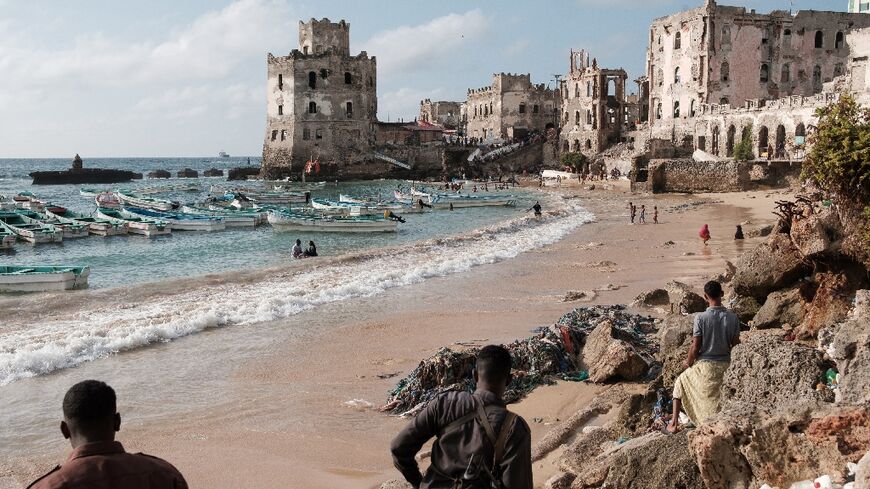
x: 655, y: 297
x: 682, y: 294
x: 188, y: 173
x: 654, y: 461
x: 610, y: 358
x: 159, y: 174
x: 809, y: 235
x: 242, y: 173
x: 771, y: 266
x: 781, y: 307
x: 745, y: 307
x: 633, y: 418
x: 830, y: 303
x: 770, y: 373
x: 848, y: 344
x: 213, y: 172
x: 674, y: 336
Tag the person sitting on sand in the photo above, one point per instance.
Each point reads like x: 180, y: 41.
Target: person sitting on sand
x: 297, y: 249
x: 704, y: 234
x: 312, y: 250
x: 714, y: 333
x: 478, y: 441
x: 536, y: 208
x: 90, y: 420
x: 739, y: 233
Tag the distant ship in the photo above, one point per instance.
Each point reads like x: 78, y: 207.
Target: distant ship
x: 224, y: 154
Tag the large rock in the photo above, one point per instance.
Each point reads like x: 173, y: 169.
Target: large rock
x: 610, y: 358
x: 746, y: 307
x: 848, y: 344
x: 633, y: 418
x: 584, y: 457
x: 781, y: 307
x: 654, y: 297
x: 188, y: 173
x: 654, y: 461
x: 772, y: 265
x: 675, y: 336
x: 770, y: 373
x: 396, y: 484
x: 159, y: 174
x: 831, y: 303
x: 809, y: 235
x: 862, y: 475
x: 682, y: 294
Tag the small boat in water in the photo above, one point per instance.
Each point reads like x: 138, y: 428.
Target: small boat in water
x: 7, y: 237
x: 298, y: 221
x: 26, y: 200
x: 459, y: 201
x: 179, y: 221
x: 135, y: 224
x: 263, y: 196
x: 69, y: 229
x: 30, y: 232
x: 131, y: 199
x: 42, y: 278
x: 109, y: 200
x: 231, y: 217
x: 96, y: 225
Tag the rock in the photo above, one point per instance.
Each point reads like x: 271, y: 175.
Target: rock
x: 396, y: 484
x: 655, y: 297
x: 579, y: 295
x: 242, y: 173
x: 675, y: 336
x: 610, y: 358
x: 848, y: 429
x: 830, y: 304
x: 560, y: 481
x: 682, y: 294
x: 862, y: 475
x: 745, y: 307
x: 188, y: 173
x: 809, y: 235
x: 213, y: 172
x: 781, y: 307
x: 633, y: 418
x: 848, y: 345
x: 772, y: 265
x: 770, y: 373
x: 583, y: 457
x: 655, y: 461
x: 159, y: 174
x: 762, y: 231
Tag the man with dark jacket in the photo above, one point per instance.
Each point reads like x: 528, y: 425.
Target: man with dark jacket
x: 479, y: 442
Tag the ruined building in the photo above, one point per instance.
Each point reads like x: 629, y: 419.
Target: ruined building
x: 443, y: 113
x: 859, y: 6
x: 593, y: 106
x: 511, y: 107
x: 321, y: 101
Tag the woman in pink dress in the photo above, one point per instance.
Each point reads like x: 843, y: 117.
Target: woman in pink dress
x: 704, y: 233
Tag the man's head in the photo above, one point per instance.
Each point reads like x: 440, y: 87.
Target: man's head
x: 492, y: 371
x: 299, y: 241
x: 90, y: 413
x: 713, y: 293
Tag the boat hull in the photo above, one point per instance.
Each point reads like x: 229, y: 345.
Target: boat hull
x: 142, y: 228
x: 43, y: 281
x: 231, y: 219
x: 7, y: 242
x: 462, y: 203
x: 282, y: 222
x: 176, y: 223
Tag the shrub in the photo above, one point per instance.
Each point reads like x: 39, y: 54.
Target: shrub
x: 743, y: 149
x: 575, y: 160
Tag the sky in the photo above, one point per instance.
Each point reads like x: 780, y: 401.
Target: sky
x: 187, y: 78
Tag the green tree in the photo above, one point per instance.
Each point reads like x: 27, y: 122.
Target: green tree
x: 743, y: 149
x: 575, y: 160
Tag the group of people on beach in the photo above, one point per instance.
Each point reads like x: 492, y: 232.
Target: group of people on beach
x: 298, y: 252
x: 632, y: 211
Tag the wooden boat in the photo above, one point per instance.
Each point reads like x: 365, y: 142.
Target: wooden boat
x: 459, y: 201
x: 135, y: 224
x: 42, y: 278
x: 30, y: 232
x: 6, y: 204
x: 297, y: 221
x: 89, y: 193
x: 179, y: 221
x: 109, y: 200
x: 364, y: 209
x: 231, y: 217
x: 96, y: 225
x: 26, y: 200
x: 69, y: 229
x: 128, y: 198
x: 162, y: 189
x: 262, y: 196
x: 7, y: 236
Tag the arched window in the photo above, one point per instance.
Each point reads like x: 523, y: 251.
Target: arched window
x: 588, y: 144
x: 676, y: 110
x: 565, y: 145
x: 677, y: 74
x: 576, y: 145
x: 588, y: 116
x: 677, y: 40
x: 577, y: 117
x: 799, y: 134
x: 535, y: 109
x: 660, y: 74
x: 588, y: 88
x: 786, y: 32
x: 785, y: 76
x: 715, y: 141
x: 724, y: 71
x: 820, y: 39
x: 763, y: 141
x: 659, y: 110
x: 729, y: 142
x: 838, y: 43
x: 348, y: 109
x: 692, y: 108
x: 576, y: 90
x: 817, y: 76
x: 723, y: 101
x: 312, y: 79
x: 348, y: 78
x: 765, y: 73
x: 312, y: 107
x: 779, y: 145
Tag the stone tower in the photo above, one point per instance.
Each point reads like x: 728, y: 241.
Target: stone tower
x: 321, y: 103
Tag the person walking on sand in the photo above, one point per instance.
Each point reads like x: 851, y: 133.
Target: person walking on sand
x: 90, y: 421
x: 655, y: 214
x: 739, y: 233
x: 632, y: 210
x: 704, y: 234
x: 642, y: 219
x: 478, y: 442
x: 715, y: 333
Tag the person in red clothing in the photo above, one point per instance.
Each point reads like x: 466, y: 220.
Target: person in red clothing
x: 90, y: 420
x: 704, y: 234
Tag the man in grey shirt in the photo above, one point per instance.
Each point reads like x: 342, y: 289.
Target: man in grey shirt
x: 716, y: 331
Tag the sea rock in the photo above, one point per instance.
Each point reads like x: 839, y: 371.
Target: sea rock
x: 771, y: 373
x: 831, y: 303
x: 772, y: 265
x: 862, y: 475
x: 579, y: 295
x: 159, y: 174
x: 809, y: 235
x: 848, y: 344
x: 655, y: 297
x: 655, y: 461
x: 242, y: 173
x: 633, y: 418
x: 584, y: 458
x: 746, y: 307
x: 781, y: 307
x: 396, y: 484
x: 213, y: 172
x: 682, y: 294
x: 188, y: 173
x: 560, y: 481
x: 610, y: 358
x: 675, y: 336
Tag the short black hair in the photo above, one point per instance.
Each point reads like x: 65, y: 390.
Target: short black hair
x: 89, y: 401
x: 494, y: 362
x: 713, y: 289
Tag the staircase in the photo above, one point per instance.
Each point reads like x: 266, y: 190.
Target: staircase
x: 393, y: 161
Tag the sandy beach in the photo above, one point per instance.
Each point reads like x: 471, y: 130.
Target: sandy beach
x: 292, y: 403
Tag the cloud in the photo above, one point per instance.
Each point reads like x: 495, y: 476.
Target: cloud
x: 404, y: 103
x: 517, y: 47
x: 626, y: 4
x: 414, y: 48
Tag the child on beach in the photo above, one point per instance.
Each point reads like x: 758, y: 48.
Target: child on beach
x: 655, y: 214
x: 704, y: 234
x: 642, y: 214
x: 631, y: 210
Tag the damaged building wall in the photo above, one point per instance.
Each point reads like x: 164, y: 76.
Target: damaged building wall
x: 508, y: 107
x: 442, y: 112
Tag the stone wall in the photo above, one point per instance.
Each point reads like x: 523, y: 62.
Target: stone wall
x: 512, y: 101
x: 686, y: 175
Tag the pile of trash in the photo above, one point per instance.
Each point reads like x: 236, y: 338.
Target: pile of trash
x: 552, y: 353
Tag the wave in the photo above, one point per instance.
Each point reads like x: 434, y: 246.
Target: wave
x: 93, y: 333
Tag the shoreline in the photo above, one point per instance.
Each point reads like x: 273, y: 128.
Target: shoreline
x: 273, y: 411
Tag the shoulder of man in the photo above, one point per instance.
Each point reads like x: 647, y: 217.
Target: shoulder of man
x: 41, y: 481
x: 159, y: 462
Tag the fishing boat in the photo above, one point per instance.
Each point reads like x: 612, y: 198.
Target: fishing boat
x: 298, y: 221
x: 362, y: 208
x: 30, y: 232
x: 295, y: 186
x: 26, y: 200
x: 96, y: 225
x: 69, y: 229
x: 89, y: 193
x: 163, y: 189
x: 444, y: 201
x: 231, y: 217
x: 262, y: 196
x: 135, y: 224
x: 6, y: 204
x: 42, y: 278
x: 7, y: 237
x: 179, y: 221
x: 128, y: 198
x: 108, y: 200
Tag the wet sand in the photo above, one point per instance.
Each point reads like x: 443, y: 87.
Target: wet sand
x: 264, y: 405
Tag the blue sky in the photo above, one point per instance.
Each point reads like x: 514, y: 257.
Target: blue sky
x: 171, y: 78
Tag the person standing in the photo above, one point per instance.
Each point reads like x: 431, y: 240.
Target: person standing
x: 715, y: 333
x: 536, y: 208
x: 90, y: 421
x: 633, y: 210
x: 655, y: 214
x: 704, y: 234
x: 643, y: 214
x: 478, y: 442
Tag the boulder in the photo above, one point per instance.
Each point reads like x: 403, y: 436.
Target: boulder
x: 187, y: 173
x: 213, y: 172
x: 159, y: 174
x: 746, y: 307
x: 771, y: 373
x: 772, y: 265
x: 675, y: 336
x: 682, y: 294
x: 809, y: 235
x: 633, y: 418
x: 655, y: 297
x: 610, y: 358
x: 584, y: 458
x: 862, y: 475
x: 848, y: 344
x: 781, y: 307
x: 830, y: 303
x: 848, y: 429
x: 654, y: 461
x: 396, y: 484
x: 242, y: 173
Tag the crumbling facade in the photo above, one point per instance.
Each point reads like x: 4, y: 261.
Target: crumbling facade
x: 593, y: 106
x: 511, y: 107
x: 321, y: 101
x: 444, y: 113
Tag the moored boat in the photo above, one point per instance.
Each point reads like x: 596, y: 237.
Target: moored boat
x: 231, y: 217
x: 42, y: 278
x: 7, y: 237
x: 459, y: 201
x: 297, y: 221
x: 69, y: 229
x: 26, y: 200
x: 135, y: 224
x: 180, y: 221
x: 131, y: 199
x: 96, y: 225
x: 108, y: 200
x: 31, y: 232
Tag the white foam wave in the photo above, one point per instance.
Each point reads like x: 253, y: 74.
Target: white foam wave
x: 91, y: 334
